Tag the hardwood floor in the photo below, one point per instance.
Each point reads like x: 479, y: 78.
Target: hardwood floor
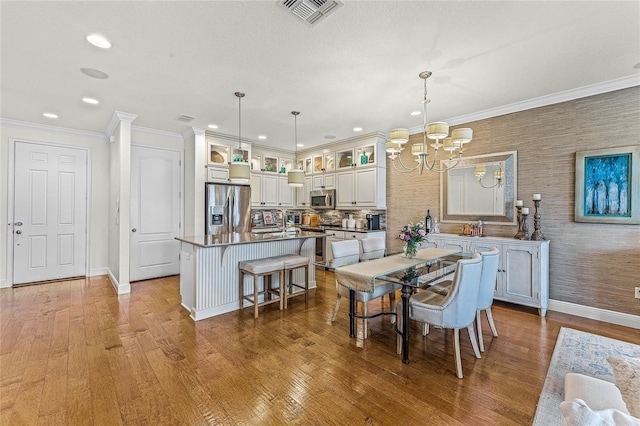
x: 73, y: 352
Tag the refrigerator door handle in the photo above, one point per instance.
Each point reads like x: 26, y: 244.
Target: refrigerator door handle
x: 230, y: 214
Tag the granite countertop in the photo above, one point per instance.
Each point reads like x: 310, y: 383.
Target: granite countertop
x: 219, y: 240
x: 334, y: 228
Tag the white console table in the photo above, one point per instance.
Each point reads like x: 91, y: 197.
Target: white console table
x: 523, y: 269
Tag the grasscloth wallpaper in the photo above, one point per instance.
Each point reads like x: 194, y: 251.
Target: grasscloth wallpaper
x: 595, y: 265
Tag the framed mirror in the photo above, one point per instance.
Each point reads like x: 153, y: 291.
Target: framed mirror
x: 481, y: 187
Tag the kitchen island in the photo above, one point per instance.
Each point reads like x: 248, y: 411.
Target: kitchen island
x: 209, y: 266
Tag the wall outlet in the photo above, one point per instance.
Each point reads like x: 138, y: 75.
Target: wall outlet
x: 637, y: 292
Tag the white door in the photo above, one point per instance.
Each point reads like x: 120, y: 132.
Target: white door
x: 155, y: 213
x: 50, y: 212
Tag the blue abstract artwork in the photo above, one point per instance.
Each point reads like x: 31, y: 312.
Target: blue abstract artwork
x: 607, y: 181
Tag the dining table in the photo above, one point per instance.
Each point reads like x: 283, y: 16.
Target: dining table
x: 429, y: 266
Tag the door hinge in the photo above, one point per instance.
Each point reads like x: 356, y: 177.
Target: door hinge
x: 180, y: 162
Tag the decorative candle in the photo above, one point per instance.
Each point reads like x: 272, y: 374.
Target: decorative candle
x: 519, y: 203
x: 537, y: 197
x: 525, y: 210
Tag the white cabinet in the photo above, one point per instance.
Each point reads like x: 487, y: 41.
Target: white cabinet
x: 285, y: 192
x: 523, y: 268
x: 303, y: 193
x: 264, y: 190
x: 324, y: 181
x: 217, y: 174
x: 334, y: 235
x: 361, y: 188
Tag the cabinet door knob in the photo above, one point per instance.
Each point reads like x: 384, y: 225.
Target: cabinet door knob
x: 134, y: 230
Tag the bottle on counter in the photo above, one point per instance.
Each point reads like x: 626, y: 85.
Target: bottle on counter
x: 351, y: 223
x: 345, y: 222
x: 427, y: 222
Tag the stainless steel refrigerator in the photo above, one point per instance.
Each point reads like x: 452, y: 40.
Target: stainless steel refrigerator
x: 227, y: 208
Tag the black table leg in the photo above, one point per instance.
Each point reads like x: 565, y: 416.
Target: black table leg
x: 406, y: 295
x: 352, y: 313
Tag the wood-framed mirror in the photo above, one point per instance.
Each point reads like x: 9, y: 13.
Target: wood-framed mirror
x: 471, y: 191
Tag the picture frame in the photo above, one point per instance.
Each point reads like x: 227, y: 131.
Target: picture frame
x: 608, y: 185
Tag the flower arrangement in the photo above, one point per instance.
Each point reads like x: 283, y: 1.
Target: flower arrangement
x: 412, y: 234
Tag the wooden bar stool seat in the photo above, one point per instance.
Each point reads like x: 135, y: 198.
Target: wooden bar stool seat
x: 291, y: 263
x: 264, y: 268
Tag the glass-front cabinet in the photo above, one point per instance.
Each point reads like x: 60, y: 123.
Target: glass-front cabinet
x: 324, y: 162
x: 270, y: 163
x: 356, y: 157
x: 344, y: 158
x: 220, y: 154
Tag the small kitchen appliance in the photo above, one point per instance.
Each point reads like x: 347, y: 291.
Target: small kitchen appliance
x: 373, y: 222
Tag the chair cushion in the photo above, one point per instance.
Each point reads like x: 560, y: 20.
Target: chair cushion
x: 427, y: 298
x: 293, y: 261
x: 598, y: 394
x: 262, y: 266
x: 443, y: 287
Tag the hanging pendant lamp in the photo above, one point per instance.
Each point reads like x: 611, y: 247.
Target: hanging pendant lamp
x: 295, y: 177
x: 239, y: 170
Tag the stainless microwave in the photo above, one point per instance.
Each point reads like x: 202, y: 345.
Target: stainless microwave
x: 323, y: 199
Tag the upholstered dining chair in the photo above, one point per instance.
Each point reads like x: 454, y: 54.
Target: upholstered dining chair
x: 373, y: 248
x: 490, y: 261
x: 487, y: 289
x: 351, y: 248
x: 456, y: 310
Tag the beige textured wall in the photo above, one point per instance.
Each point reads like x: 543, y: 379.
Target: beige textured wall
x: 595, y: 265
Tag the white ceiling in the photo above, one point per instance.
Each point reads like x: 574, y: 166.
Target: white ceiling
x: 357, y: 67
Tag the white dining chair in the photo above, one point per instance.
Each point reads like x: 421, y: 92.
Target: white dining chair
x: 373, y: 248
x: 456, y: 310
x: 351, y: 248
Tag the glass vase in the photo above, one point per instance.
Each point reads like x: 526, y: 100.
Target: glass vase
x: 410, y: 250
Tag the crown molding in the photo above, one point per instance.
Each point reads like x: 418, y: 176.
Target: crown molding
x: 116, y: 118
x: 555, y: 98
x: 50, y: 128
x: 157, y: 132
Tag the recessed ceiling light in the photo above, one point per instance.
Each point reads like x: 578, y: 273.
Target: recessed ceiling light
x: 94, y: 73
x: 50, y: 115
x: 99, y: 41
x: 300, y: 144
x: 416, y: 113
x: 212, y: 126
x: 357, y: 129
x: 262, y: 137
x: 90, y: 101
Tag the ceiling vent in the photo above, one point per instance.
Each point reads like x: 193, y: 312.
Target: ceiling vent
x: 185, y: 118
x: 311, y: 11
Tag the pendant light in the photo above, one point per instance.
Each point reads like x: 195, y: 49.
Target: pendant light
x: 239, y: 170
x: 296, y: 176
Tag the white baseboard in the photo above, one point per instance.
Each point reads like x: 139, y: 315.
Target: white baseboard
x: 119, y: 288
x: 4, y: 284
x: 605, y: 315
x: 99, y: 271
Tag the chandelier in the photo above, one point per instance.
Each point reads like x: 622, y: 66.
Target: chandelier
x: 438, y: 132
x: 480, y: 171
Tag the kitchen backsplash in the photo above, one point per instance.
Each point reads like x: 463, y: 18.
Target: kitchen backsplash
x: 326, y: 216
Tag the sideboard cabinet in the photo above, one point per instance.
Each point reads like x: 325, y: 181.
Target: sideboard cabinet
x: 523, y: 268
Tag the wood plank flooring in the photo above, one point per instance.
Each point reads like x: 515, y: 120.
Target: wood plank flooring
x: 74, y: 353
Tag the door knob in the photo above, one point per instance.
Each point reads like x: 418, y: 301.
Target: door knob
x: 18, y: 224
x: 18, y: 232
x: 134, y: 230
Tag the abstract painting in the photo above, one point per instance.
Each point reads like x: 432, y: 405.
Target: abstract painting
x: 607, y: 186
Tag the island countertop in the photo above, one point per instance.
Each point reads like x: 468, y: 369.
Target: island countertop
x: 219, y: 240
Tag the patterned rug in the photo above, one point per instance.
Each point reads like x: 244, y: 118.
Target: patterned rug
x: 576, y: 352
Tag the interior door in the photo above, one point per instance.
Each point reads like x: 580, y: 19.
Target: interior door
x: 155, y: 213
x: 50, y: 212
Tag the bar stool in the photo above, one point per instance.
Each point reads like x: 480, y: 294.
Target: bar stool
x: 291, y: 263
x: 264, y: 268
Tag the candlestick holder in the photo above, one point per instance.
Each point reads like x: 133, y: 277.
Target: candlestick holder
x: 537, y: 233
x: 519, y: 233
x: 525, y: 227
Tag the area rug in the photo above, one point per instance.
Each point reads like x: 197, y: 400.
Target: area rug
x: 576, y: 352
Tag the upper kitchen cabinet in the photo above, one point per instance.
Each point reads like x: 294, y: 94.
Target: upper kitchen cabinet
x: 221, y: 150
x: 359, y: 156
x: 324, y: 162
x: 270, y: 163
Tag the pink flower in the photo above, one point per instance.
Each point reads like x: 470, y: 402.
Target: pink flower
x: 421, y: 233
x: 407, y: 238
